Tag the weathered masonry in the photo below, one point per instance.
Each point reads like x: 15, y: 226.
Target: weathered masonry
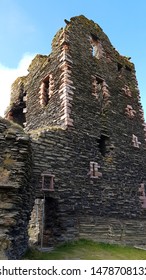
x: 16, y: 193
x: 81, y: 108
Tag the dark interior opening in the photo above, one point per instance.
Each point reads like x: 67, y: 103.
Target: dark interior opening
x: 94, y: 170
x: 119, y: 65
x: 18, y: 115
x: 102, y: 144
x: 94, y: 37
x: 51, y: 207
x: 17, y: 112
x: 51, y: 221
x: 18, y: 108
x: 47, y: 182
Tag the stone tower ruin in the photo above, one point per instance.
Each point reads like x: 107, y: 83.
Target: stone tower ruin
x: 80, y: 107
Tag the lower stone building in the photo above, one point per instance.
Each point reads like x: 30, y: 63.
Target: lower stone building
x: 16, y: 193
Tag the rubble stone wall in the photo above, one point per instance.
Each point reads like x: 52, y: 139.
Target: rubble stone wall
x: 16, y: 194
x: 81, y: 206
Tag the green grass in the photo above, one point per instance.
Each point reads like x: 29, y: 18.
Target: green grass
x: 88, y: 250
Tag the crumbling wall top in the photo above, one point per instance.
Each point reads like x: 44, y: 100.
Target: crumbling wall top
x: 37, y: 62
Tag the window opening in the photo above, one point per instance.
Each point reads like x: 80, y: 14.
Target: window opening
x: 46, y: 89
x: 48, y: 182
x: 94, y: 172
x: 18, y: 115
x: 135, y: 141
x: 102, y: 144
x: 130, y: 111
x: 142, y: 191
x: 119, y: 65
x: 18, y: 111
x: 101, y: 92
x: 97, y: 87
x: 127, y: 91
x: 93, y: 169
x: 44, y: 92
x: 97, y: 49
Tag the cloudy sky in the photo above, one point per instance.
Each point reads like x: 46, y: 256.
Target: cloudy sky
x: 27, y: 27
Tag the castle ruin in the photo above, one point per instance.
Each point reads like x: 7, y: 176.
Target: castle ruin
x: 73, y: 150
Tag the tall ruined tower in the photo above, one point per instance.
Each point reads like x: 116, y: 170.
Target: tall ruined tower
x: 81, y: 107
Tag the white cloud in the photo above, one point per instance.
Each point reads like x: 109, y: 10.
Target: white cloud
x: 8, y: 76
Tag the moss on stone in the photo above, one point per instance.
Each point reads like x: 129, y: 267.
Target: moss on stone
x: 37, y: 62
x: 8, y: 161
x: 35, y: 133
x: 11, y: 126
x: 15, y: 89
x: 4, y: 175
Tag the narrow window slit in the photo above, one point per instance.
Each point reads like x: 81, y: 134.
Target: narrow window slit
x: 97, y: 49
x: 120, y: 66
x: 102, y: 144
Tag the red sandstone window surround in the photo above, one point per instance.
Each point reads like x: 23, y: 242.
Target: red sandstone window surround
x: 127, y: 91
x: 130, y: 111
x: 46, y: 89
x: 97, y: 49
x: 44, y: 93
x: 47, y: 182
x: 94, y: 173
x: 101, y: 92
x: 142, y: 191
x: 135, y: 141
x: 97, y: 83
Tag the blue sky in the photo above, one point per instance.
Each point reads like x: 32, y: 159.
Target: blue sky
x: 27, y: 27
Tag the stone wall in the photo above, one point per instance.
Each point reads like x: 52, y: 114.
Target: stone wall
x: 85, y: 204
x: 114, y: 231
x: 16, y: 194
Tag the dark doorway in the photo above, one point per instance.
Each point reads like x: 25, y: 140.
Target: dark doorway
x: 51, y: 222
